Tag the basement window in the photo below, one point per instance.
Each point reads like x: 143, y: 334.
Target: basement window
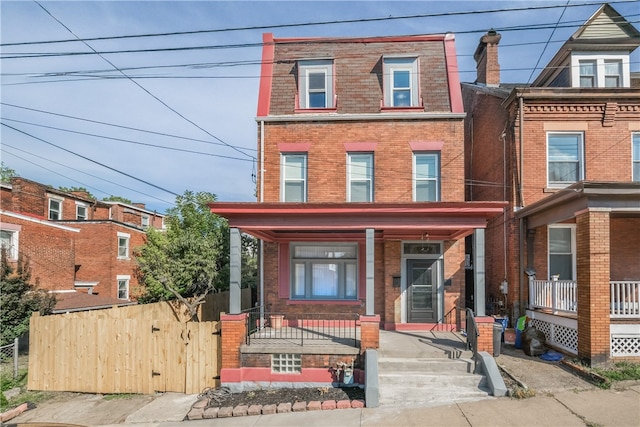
x: 286, y: 363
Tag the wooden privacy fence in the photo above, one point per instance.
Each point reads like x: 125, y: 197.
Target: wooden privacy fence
x: 134, y: 349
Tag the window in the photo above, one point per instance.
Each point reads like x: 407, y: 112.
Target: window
x: 294, y: 178
x: 144, y: 220
x: 564, y: 159
x: 600, y: 70
x: 401, y: 82
x: 285, y: 363
x: 562, y: 251
x: 316, y: 84
x: 324, y: 271
x: 123, y: 245
x: 360, y: 177
x: 636, y: 156
x: 81, y: 211
x: 55, y: 209
x: 426, y: 177
x: 123, y: 287
x: 9, y: 242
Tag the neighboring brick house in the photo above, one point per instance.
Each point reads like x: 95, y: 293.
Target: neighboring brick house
x: 74, y: 243
x: 361, y: 205
x: 564, y: 152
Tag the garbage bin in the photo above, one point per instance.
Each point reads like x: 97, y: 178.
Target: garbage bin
x: 497, y: 339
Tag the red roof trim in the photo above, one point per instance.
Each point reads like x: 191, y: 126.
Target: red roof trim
x: 455, y: 90
x: 426, y: 145
x: 266, y: 74
x: 360, y: 146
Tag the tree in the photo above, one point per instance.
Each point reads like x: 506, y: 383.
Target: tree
x: 6, y: 173
x: 117, y: 199
x: 77, y: 189
x: 18, y: 299
x: 183, y: 262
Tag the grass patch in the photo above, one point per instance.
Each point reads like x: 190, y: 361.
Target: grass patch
x: 7, y: 382
x: 521, y: 393
x: 117, y: 396
x: 620, y: 371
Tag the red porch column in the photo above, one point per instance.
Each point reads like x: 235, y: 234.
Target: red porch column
x: 234, y: 333
x: 485, y: 331
x: 369, y: 332
x: 593, y: 265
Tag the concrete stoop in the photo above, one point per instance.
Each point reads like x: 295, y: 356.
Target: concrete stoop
x: 429, y: 381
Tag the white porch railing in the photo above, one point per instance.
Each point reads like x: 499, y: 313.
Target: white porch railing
x: 625, y: 299
x: 561, y: 296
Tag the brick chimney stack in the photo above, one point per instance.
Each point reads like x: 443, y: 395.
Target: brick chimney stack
x: 486, y: 56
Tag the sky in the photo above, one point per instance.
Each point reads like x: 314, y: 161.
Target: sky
x: 147, y: 118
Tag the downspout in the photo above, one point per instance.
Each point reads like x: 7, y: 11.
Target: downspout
x: 261, y: 254
x: 522, y: 230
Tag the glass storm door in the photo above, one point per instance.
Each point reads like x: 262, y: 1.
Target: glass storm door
x: 422, y: 288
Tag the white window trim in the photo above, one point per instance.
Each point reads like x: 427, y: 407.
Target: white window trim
x: 634, y: 161
x: 60, y: 200
x: 600, y: 58
x: 284, y: 179
x: 80, y: 205
x: 120, y: 277
x: 319, y: 65
x: 14, y: 250
x: 392, y: 64
x: 309, y: 261
x: 581, y: 173
x: 370, y: 178
x: 128, y: 237
x: 145, y: 218
x: 436, y: 154
x: 573, y: 248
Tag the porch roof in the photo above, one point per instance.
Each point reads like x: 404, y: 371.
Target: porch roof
x: 620, y: 198
x: 339, y: 221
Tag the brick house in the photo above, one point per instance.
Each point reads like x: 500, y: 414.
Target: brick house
x: 75, y: 244
x: 361, y: 208
x: 565, y: 151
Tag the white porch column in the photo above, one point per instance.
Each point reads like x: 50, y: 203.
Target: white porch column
x: 235, y: 274
x: 479, y: 301
x: 370, y: 269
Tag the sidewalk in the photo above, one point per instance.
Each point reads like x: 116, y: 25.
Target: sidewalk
x: 567, y: 408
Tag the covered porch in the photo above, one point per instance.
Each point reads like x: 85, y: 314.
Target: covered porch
x: 596, y: 313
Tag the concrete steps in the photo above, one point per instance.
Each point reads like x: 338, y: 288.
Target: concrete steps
x: 428, y: 374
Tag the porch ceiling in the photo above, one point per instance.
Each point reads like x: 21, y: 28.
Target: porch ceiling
x: 348, y: 221
x: 621, y: 199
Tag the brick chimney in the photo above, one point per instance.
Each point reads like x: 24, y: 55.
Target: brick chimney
x: 486, y: 56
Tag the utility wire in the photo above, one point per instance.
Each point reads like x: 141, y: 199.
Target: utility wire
x: 332, y: 22
x: 143, y: 88
x: 91, y: 160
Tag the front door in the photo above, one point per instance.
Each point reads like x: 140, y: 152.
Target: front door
x: 422, y: 290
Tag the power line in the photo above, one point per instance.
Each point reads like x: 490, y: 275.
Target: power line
x: 91, y: 160
x: 332, y: 22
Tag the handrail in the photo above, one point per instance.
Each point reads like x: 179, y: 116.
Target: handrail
x: 444, y: 320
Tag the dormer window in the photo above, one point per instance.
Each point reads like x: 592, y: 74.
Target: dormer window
x: 401, y: 87
x: 315, y: 84
x: 600, y: 70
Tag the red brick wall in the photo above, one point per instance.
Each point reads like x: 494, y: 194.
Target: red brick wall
x: 327, y: 156
x: 97, y: 255
x: 5, y: 198
x: 625, y: 248
x: 50, y: 251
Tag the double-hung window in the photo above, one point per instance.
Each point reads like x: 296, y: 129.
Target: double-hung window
x: 55, y: 208
x: 562, y: 249
x: 426, y: 177
x: 294, y: 178
x: 600, y: 70
x: 9, y: 243
x: 636, y: 156
x: 324, y: 271
x: 144, y: 220
x: 565, y: 163
x: 401, y: 82
x: 360, y: 177
x: 315, y: 84
x: 81, y: 211
x: 123, y: 245
x: 123, y: 286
